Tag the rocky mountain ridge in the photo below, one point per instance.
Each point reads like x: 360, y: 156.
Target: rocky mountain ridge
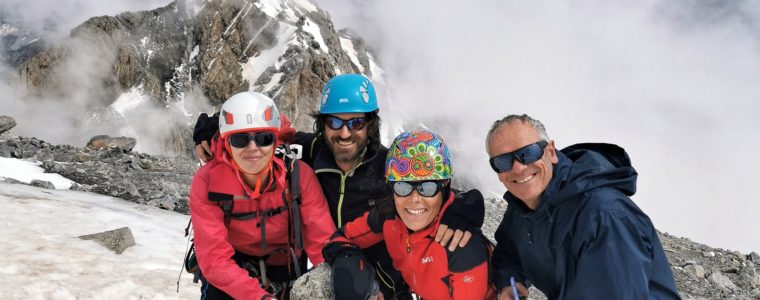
x: 701, y: 272
x: 190, y: 54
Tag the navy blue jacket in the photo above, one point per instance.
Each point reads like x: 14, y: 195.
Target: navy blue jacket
x: 586, y: 239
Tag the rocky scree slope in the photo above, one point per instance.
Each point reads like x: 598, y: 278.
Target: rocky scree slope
x: 701, y: 272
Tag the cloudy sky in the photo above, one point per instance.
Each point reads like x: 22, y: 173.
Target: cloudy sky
x: 675, y: 83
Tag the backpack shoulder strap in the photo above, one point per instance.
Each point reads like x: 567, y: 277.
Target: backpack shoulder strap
x: 292, y: 196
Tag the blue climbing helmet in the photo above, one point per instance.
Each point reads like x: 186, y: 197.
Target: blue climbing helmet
x: 348, y: 93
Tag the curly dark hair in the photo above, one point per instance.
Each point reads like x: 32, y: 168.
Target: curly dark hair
x: 373, y: 127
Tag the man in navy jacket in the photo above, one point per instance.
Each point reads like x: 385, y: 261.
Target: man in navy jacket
x: 570, y: 228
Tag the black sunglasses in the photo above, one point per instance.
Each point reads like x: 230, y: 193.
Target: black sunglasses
x: 525, y: 155
x: 354, y: 124
x: 425, y: 188
x: 241, y: 140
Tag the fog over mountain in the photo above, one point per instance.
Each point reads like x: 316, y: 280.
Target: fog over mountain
x: 674, y: 83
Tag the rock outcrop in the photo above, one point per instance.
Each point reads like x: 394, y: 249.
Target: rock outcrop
x: 99, y: 142
x: 153, y: 180
x: 116, y: 240
x: 6, y: 123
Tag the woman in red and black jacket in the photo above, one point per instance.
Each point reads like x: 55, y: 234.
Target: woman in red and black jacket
x: 239, y: 210
x: 418, y: 170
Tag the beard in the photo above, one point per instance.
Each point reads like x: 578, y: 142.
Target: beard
x: 348, y: 155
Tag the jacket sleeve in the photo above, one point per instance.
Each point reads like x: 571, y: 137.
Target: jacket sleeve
x: 212, y: 250
x: 468, y: 270
x: 472, y: 284
x: 317, y: 222
x: 613, y: 250
x: 505, y: 260
x: 359, y: 232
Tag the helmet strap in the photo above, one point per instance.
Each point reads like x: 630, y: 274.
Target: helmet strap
x: 261, y: 176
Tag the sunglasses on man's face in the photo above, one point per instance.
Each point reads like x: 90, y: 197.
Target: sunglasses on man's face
x: 525, y: 155
x: 353, y: 124
x: 261, y: 139
x: 424, y: 188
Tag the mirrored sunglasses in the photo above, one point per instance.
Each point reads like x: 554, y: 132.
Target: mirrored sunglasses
x: 261, y: 139
x: 525, y: 155
x: 424, y: 188
x: 353, y: 124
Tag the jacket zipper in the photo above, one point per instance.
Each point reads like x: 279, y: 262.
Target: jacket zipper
x: 412, y: 264
x: 343, y: 177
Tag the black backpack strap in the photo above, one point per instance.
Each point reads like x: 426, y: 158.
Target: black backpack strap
x: 295, y: 199
x: 226, y: 202
x: 292, y: 197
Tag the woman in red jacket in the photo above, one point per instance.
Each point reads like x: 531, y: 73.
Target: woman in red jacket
x: 243, y: 241
x: 418, y: 170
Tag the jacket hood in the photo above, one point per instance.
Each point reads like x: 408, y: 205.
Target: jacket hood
x: 584, y: 167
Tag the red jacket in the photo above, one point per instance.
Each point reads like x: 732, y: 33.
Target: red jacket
x: 215, y: 243
x: 431, y: 271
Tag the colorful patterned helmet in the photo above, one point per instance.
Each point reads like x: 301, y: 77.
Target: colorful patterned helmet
x: 348, y: 93
x: 248, y: 111
x: 418, y: 155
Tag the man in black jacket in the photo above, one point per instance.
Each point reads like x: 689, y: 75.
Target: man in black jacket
x: 570, y: 227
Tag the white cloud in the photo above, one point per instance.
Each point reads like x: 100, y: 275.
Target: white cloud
x: 56, y: 18
x: 674, y: 83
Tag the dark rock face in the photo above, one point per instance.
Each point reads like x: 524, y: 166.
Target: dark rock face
x: 6, y: 123
x: 17, y: 44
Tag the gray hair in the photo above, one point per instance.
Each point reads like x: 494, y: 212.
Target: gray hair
x: 536, y: 124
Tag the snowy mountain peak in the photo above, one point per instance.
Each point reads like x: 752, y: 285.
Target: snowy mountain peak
x: 188, y: 55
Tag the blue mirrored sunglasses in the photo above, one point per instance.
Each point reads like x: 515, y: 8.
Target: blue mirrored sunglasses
x: 262, y: 139
x: 353, y: 124
x: 525, y: 155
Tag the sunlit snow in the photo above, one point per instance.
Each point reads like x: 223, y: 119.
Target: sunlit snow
x: 43, y: 258
x: 26, y: 171
x: 348, y: 46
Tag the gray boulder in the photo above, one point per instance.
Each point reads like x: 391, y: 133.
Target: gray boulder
x: 721, y: 281
x: 695, y: 271
x: 115, y: 240
x: 315, y: 285
x: 42, y: 184
x: 107, y: 142
x: 754, y: 257
x: 11, y: 180
x: 6, y: 123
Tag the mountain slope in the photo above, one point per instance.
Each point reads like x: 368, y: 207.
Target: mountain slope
x: 189, y: 54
